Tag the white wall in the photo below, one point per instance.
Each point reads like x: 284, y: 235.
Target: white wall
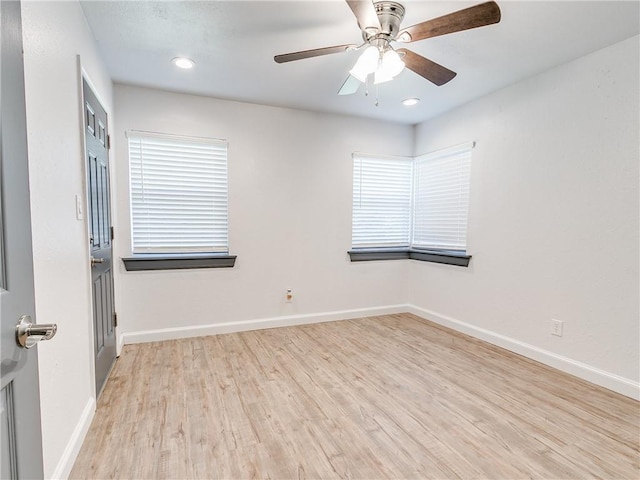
x: 554, y: 218
x: 290, y: 184
x: 54, y: 34
x: 553, y: 228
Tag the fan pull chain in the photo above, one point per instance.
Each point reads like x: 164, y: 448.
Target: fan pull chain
x: 377, y: 96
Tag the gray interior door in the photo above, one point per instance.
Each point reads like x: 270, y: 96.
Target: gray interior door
x: 21, y: 440
x: 97, y: 156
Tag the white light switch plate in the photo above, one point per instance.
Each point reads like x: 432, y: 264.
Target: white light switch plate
x: 79, y: 208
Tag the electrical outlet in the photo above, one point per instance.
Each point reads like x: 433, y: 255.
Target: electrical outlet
x: 289, y: 297
x: 556, y: 327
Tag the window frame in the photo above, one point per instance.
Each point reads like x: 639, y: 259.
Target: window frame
x: 374, y: 203
x: 177, y: 259
x: 413, y: 252
x: 458, y: 162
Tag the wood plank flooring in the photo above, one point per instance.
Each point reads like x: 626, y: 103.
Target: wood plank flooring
x: 382, y: 397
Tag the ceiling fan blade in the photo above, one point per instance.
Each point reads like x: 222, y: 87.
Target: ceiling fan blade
x: 424, y: 67
x: 365, y: 13
x: 316, y: 52
x: 472, y: 17
x: 350, y: 86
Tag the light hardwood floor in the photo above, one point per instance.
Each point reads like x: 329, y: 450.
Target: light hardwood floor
x: 383, y: 397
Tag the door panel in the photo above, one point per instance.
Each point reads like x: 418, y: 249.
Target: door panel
x: 97, y: 154
x: 8, y: 439
x: 21, y: 441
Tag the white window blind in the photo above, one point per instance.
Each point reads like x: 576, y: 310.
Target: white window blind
x: 381, y: 201
x: 178, y: 193
x: 441, y: 199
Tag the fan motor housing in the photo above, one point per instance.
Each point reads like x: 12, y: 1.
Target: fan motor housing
x: 390, y: 15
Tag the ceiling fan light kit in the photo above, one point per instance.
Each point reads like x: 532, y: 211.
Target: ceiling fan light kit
x: 379, y: 23
x: 384, y: 64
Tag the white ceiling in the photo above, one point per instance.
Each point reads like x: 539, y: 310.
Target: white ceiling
x: 233, y: 44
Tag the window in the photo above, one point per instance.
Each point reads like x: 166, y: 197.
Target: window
x: 381, y: 201
x: 441, y: 199
x: 179, y: 198
x: 412, y: 208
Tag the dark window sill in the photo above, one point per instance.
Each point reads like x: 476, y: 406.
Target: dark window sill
x: 368, y: 254
x: 154, y: 261
x: 448, y: 257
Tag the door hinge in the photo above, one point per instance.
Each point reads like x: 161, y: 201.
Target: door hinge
x: 109, y: 142
x: 115, y: 319
x: 112, y: 233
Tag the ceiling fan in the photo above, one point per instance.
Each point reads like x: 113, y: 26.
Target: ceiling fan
x: 380, y: 25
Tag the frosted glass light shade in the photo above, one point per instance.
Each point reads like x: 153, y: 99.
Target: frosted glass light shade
x: 381, y: 77
x: 389, y: 67
x: 366, y: 64
x: 392, y: 63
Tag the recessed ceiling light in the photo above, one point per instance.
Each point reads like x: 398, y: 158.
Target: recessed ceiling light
x: 410, y: 102
x: 183, y: 62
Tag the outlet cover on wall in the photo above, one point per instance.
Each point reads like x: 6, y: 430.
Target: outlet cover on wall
x: 556, y: 327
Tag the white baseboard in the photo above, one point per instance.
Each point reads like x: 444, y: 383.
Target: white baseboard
x: 259, y: 324
x: 581, y: 370
x: 63, y: 469
x: 589, y: 373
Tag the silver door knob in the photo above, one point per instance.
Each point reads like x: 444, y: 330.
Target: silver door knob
x: 96, y: 260
x: 28, y: 334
